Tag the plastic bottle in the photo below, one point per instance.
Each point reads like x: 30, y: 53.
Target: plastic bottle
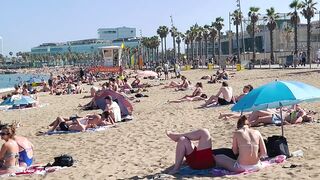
x: 298, y: 153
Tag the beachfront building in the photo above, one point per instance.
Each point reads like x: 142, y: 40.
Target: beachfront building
x: 111, y: 34
x: 282, y: 38
x: 85, y: 51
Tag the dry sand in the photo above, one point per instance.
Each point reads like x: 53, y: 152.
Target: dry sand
x: 140, y: 148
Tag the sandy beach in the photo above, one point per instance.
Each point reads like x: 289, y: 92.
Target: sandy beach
x: 140, y: 148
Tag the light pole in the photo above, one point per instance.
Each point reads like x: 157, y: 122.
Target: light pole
x: 242, y: 31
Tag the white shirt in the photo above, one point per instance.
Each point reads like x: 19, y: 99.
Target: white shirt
x: 116, y: 111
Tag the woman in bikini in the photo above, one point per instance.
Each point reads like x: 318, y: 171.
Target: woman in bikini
x: 248, y: 144
x: 197, y: 95
x: 9, y: 153
x: 180, y: 86
x: 25, y: 151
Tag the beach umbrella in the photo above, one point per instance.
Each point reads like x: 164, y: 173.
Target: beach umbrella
x: 147, y: 74
x: 276, y: 95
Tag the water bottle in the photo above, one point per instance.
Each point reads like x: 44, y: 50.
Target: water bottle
x: 298, y: 153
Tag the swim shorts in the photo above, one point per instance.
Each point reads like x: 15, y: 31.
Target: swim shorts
x: 200, y: 159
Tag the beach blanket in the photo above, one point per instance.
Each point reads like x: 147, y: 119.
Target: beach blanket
x: 99, y: 128
x: 218, y: 172
x: 35, y: 169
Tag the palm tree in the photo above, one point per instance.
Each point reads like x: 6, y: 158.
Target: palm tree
x: 308, y: 11
x: 218, y: 24
x: 192, y: 36
x: 206, y: 29
x: 288, y: 32
x: 160, y: 33
x: 178, y: 41
x: 254, y: 17
x: 271, y: 17
x: 236, y: 18
x: 187, y: 42
x: 295, y: 19
x: 212, y: 36
x: 199, y: 39
x: 173, y: 32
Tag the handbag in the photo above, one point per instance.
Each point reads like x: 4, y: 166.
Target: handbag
x: 277, y: 145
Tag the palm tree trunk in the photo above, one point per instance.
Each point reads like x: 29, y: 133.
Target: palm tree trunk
x: 238, y: 48
x: 296, y: 35
x: 188, y: 52
x: 219, y: 53
x: 165, y: 48
x: 213, y: 51
x: 179, y: 51
x: 254, y: 43
x: 174, y: 47
x: 271, y: 46
x: 192, y: 50
x: 206, y: 48
x: 308, y: 40
x: 162, y: 54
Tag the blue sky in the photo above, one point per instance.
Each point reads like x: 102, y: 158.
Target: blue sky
x: 27, y: 23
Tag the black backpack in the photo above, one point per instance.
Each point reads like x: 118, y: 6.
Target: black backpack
x: 277, y: 145
x: 63, y: 160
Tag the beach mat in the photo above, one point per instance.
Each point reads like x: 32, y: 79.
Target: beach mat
x: 35, y: 169
x: 100, y: 128
x: 219, y: 172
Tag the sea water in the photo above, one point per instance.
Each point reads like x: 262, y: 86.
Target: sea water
x: 8, y: 81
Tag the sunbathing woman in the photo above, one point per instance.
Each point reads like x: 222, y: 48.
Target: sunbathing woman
x: 248, y: 144
x: 197, y: 95
x: 184, y: 85
x: 25, y: 151
x: 9, y: 153
x: 296, y: 115
x: 77, y: 123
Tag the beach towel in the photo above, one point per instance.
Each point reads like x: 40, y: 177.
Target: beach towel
x: 35, y: 169
x: 218, y: 172
x: 99, y: 128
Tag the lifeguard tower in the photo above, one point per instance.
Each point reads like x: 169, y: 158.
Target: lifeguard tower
x: 111, y: 60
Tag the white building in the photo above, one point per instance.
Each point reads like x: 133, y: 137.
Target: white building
x: 116, y: 33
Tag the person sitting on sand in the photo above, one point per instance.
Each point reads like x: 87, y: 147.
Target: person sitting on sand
x: 197, y: 157
x: 248, y: 144
x: 136, y: 83
x: 9, y: 153
x: 180, y: 86
x: 197, y: 95
x: 25, y: 151
x: 112, y: 109
x: 245, y: 91
x: 296, y: 115
x: 126, y: 86
x: 226, y: 99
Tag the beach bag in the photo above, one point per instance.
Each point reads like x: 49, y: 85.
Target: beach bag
x: 277, y: 145
x: 63, y: 160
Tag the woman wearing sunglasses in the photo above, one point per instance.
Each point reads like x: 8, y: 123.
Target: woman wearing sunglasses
x: 9, y: 153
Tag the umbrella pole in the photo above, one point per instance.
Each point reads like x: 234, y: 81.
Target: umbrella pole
x: 282, y: 133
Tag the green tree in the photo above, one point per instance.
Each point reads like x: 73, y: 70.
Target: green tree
x: 308, y: 11
x: 254, y: 18
x: 163, y: 31
x: 295, y: 19
x: 212, y: 37
x: 173, y: 32
x: 218, y: 24
x: 271, y: 17
x: 237, y: 18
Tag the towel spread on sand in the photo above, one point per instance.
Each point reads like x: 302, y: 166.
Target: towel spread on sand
x: 99, y: 128
x: 218, y: 172
x: 35, y: 169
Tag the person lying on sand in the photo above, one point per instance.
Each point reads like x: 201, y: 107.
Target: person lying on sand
x: 184, y: 85
x: 226, y: 99
x: 197, y: 95
x: 296, y: 115
x: 77, y: 123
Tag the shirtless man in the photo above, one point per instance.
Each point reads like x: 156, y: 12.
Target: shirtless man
x: 227, y: 96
